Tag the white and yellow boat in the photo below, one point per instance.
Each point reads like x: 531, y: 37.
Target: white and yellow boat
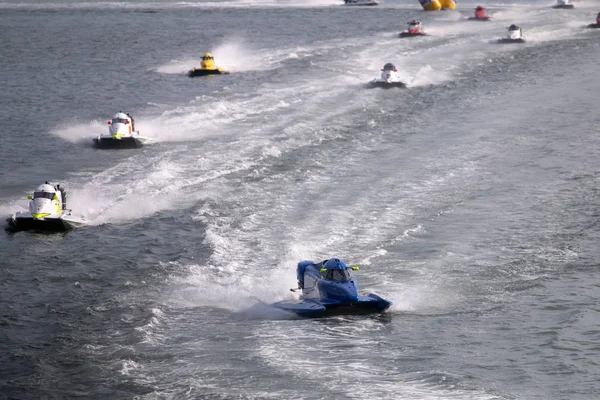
x: 121, y: 134
x: 47, y: 212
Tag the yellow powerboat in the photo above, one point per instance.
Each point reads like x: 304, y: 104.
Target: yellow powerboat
x: 207, y: 67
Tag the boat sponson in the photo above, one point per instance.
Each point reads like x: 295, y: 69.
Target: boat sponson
x: 387, y: 85
x: 205, y: 72
x: 310, y: 308
x: 507, y: 40
x: 362, y: 4
x: 411, y: 34
x: 31, y: 224
x: 112, y: 143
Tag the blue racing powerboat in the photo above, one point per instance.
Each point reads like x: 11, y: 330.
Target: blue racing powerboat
x: 328, y: 288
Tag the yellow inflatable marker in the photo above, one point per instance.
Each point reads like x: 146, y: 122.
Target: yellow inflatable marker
x: 448, y: 4
x: 430, y: 5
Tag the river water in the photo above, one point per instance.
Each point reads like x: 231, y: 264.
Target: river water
x: 470, y: 200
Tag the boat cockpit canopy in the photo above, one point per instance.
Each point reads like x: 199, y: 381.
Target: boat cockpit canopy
x: 338, y: 275
x: 43, y: 195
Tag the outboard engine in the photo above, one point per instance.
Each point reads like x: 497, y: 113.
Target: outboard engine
x: 300, y: 272
x: 63, y: 196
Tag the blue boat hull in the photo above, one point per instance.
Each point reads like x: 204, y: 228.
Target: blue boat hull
x: 310, y: 308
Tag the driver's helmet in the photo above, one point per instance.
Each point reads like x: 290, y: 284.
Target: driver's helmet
x: 44, y: 191
x: 414, y: 25
x: 207, y: 56
x: 335, y: 263
x: 389, y: 67
x: 120, y: 115
x: 513, y: 27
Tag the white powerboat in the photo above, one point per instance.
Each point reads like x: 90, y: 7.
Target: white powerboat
x: 564, y: 4
x: 415, y: 28
x: 47, y: 212
x: 389, y: 78
x: 121, y: 134
x: 514, y: 35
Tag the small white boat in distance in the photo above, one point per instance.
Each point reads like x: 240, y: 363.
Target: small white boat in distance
x: 390, y: 78
x: 121, y: 134
x: 513, y: 35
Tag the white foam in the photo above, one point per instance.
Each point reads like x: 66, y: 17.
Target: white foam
x: 428, y: 76
x: 129, y: 366
x: 233, y: 55
x: 77, y: 132
x: 176, y: 67
x: 223, y: 286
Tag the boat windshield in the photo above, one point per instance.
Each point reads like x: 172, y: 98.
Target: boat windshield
x: 338, y: 275
x: 43, y: 195
x: 119, y: 121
